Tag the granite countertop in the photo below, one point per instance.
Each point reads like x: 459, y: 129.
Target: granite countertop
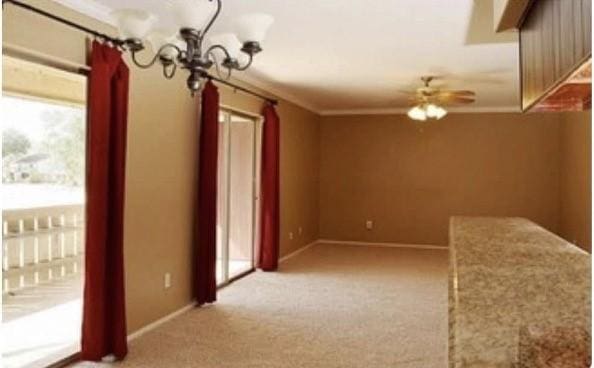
x: 518, y: 295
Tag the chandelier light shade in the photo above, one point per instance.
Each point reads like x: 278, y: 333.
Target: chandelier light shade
x: 253, y: 27
x: 192, y: 13
x: 133, y: 23
x: 161, y: 37
x: 229, y: 42
x: 187, y: 47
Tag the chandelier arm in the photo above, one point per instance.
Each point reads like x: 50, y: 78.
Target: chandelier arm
x: 218, y: 67
x: 214, y: 47
x: 210, y: 23
x: 249, y: 63
x: 173, y: 68
x: 155, y: 58
x: 144, y: 66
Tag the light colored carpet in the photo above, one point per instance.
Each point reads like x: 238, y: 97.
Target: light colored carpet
x: 330, y: 306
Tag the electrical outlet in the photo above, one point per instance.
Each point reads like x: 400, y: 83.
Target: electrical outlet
x: 291, y: 236
x: 369, y: 225
x: 300, y: 230
x: 167, y: 280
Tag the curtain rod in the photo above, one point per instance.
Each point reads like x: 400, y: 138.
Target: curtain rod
x: 119, y: 42
x: 240, y: 88
x: 33, y: 9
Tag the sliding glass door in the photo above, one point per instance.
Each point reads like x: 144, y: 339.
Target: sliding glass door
x: 43, y: 213
x: 237, y: 200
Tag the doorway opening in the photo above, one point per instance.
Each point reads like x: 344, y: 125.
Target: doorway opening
x: 43, y: 212
x: 237, y: 199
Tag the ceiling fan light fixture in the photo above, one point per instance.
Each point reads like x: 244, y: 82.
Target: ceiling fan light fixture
x: 435, y: 112
x: 431, y: 111
x: 417, y: 113
x: 429, y: 100
x: 440, y: 113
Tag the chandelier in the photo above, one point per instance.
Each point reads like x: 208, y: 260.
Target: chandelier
x: 426, y: 111
x: 188, y: 48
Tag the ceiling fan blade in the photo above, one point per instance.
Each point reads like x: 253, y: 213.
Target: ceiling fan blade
x: 464, y: 93
x: 408, y: 93
x: 435, y: 94
x: 456, y: 99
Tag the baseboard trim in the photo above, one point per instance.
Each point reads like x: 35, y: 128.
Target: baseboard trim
x: 151, y: 326
x: 381, y: 244
x: 296, y: 252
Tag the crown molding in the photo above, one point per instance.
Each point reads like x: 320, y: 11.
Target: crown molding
x: 90, y: 8
x: 404, y: 110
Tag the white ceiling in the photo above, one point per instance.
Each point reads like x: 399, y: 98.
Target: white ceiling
x: 353, y: 56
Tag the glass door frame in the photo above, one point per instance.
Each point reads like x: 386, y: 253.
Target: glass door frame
x: 258, y: 122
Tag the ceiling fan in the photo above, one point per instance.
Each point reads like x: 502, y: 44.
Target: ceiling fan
x: 429, y: 101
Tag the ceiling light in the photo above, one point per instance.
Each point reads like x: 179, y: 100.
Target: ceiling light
x: 159, y: 38
x: 417, y: 113
x: 253, y: 27
x: 440, y: 112
x: 423, y: 111
x: 230, y: 43
x: 431, y: 111
x: 435, y: 112
x: 192, y: 13
x: 186, y: 48
x: 133, y: 23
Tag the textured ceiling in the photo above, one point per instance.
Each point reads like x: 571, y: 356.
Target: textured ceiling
x: 355, y: 55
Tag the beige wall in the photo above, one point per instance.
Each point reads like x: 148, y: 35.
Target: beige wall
x: 410, y: 181
x: 161, y: 166
x: 576, y: 178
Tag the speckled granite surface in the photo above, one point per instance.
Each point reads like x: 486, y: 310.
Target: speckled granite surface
x: 514, y: 286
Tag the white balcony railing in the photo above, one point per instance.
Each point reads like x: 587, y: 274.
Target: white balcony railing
x: 41, y: 245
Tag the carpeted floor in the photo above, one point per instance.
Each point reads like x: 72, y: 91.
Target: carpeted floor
x: 329, y: 306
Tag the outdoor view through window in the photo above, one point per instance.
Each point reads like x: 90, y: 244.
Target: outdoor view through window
x: 43, y: 198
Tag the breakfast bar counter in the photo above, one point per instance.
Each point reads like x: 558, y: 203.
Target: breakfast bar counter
x: 519, y: 296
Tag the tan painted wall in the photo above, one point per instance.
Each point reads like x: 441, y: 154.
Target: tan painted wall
x: 576, y: 178
x: 161, y: 166
x: 409, y: 182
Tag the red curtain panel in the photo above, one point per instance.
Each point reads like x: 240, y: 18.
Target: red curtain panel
x: 104, y: 311
x: 206, y: 217
x: 270, y: 189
